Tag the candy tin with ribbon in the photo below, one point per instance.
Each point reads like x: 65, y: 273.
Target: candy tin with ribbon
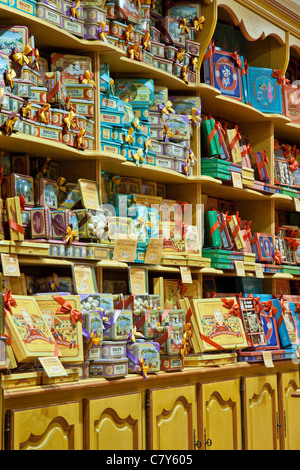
x: 117, y: 325
x: 113, y: 350
x: 92, y: 330
x: 61, y: 220
x: 41, y: 223
x: 109, y: 368
x: 144, y: 357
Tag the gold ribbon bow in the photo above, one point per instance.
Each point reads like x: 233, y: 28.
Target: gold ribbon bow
x: 192, y: 157
x: 21, y: 57
x: 69, y: 120
x: 167, y: 109
x: 86, y: 78
x: 194, y: 116
x: 75, y: 8
x: 93, y: 341
x: 143, y: 368
x: 9, y: 124
x: 169, y: 134
x: 179, y: 55
x: 133, y: 51
x: 80, y: 138
x: 148, y: 144
x: 134, y: 334
x: 129, y: 137
x: 103, y: 29
x: 54, y: 282
x: 37, y: 56
x: 70, y: 235
x: 195, y: 62
x: 128, y: 33
x: 185, y: 349
x: 184, y: 74
x: 44, y: 113
x: 136, y: 123
x: 184, y: 28
x: 138, y: 156
x: 25, y: 110
x: 60, y: 184
x: 146, y: 40
x: 9, y: 77
x: 198, y: 23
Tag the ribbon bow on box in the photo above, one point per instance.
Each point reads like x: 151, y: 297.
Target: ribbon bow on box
x: 195, y: 116
x: 60, y: 185
x: 277, y: 257
x: 66, y: 309
x: 185, y: 348
x: 233, y: 307
x: 138, y: 156
x: 54, y: 283
x: 44, y: 113
x: 103, y: 30
x: 129, y: 137
x: 198, y: 22
x: 146, y: 41
x: 9, y: 302
x: 167, y: 108
x: 70, y: 235
x: 36, y: 59
x: 74, y: 10
x: 270, y: 309
x: 134, y: 334
x: 136, y: 124
x: 169, y: 134
x: 148, y: 144
x: 70, y: 120
x: 93, y: 340
x: 80, y: 139
x: 293, y: 243
x: 9, y: 77
x: 9, y: 123
x: 21, y: 57
x: 184, y: 74
x: 277, y: 74
x: 87, y: 78
x: 143, y: 368
x: 128, y: 33
x: 183, y: 26
x: 25, y: 109
x: 133, y: 51
x: 235, y: 56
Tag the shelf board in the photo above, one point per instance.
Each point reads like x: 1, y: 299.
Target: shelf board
x: 226, y: 191
x: 283, y: 202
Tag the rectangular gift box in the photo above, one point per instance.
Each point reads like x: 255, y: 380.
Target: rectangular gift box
x: 113, y: 349
x: 61, y: 220
x: 261, y: 166
x: 92, y: 329
x: 70, y: 66
x: 109, y: 368
x: 212, y: 236
x: 233, y: 145
x: 209, y: 139
x: 127, y: 10
x: 264, y: 246
x: 41, y: 223
x: 144, y: 91
x: 143, y: 349
x: 49, y: 14
x: 170, y: 30
x: 120, y: 325
x: 264, y: 91
x: 65, y: 327
x: 291, y: 102
x: 45, y: 194
x: 22, y: 184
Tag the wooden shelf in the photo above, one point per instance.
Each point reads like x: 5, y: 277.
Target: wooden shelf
x: 216, y: 188
x: 283, y: 202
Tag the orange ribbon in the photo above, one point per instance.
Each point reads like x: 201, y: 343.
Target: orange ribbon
x: 277, y: 257
x: 9, y: 302
x: 293, y: 243
x: 66, y: 309
x: 233, y: 307
x: 277, y: 74
x: 270, y: 309
x: 236, y: 138
x: 235, y: 56
x: 211, y: 50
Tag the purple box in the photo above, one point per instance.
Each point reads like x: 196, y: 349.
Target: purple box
x: 113, y: 349
x: 109, y: 369
x: 61, y: 220
x: 41, y: 223
x: 165, y: 162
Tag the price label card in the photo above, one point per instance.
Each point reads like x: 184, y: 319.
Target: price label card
x: 240, y: 268
x: 186, y: 275
x: 259, y: 270
x: 125, y: 249
x: 52, y: 366
x: 138, y: 280
x: 297, y: 204
x: 237, y: 180
x: 10, y: 265
x: 267, y: 357
x: 154, y: 251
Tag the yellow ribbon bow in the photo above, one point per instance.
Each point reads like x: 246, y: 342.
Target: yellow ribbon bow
x: 141, y: 221
x: 69, y: 120
x: 93, y: 341
x: 25, y: 110
x: 198, y: 23
x: 86, y: 78
x: 128, y: 33
x: 44, y: 114
x: 138, y: 156
x: 129, y: 137
x: 37, y: 56
x: 74, y: 10
x: 147, y: 40
x: 167, y: 109
x: 9, y: 124
x: 134, y: 334
x: 186, y: 167
x: 184, y: 28
x: 167, y: 131
x: 133, y: 51
x: 60, y: 184
x: 194, y: 116
x: 148, y: 144
x: 101, y: 310
x: 21, y: 57
x: 80, y: 138
x: 179, y: 55
x: 9, y: 77
x: 184, y: 74
x: 195, y: 62
x: 192, y: 157
x: 143, y: 368
x: 54, y: 282
x: 70, y: 235
x: 136, y: 123
x: 103, y: 30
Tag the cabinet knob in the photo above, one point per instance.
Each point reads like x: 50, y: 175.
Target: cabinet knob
x: 207, y: 442
x: 197, y: 443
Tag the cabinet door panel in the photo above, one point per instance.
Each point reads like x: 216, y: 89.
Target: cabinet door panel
x: 220, y: 403
x: 290, y: 414
x: 114, y: 423
x: 261, y: 417
x: 173, y: 418
x: 55, y: 427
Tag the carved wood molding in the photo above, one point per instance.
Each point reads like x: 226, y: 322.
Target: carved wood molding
x: 61, y: 422
x: 188, y: 407
x: 232, y: 405
x: 129, y: 421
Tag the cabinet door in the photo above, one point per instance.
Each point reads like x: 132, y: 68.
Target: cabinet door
x: 114, y: 423
x: 261, y: 417
x: 290, y: 411
x: 173, y: 418
x: 56, y: 427
x: 220, y: 414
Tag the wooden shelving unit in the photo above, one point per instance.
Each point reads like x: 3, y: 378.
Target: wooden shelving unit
x: 132, y: 408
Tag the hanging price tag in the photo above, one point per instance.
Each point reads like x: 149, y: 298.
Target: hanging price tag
x: 240, y: 268
x: 125, y: 249
x: 154, y: 251
x: 53, y: 367
x: 267, y: 357
x: 186, y: 275
x: 237, y: 180
x: 10, y: 265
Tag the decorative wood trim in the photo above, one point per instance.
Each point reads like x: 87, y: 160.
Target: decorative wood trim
x: 60, y: 420
x: 232, y: 405
x: 120, y: 421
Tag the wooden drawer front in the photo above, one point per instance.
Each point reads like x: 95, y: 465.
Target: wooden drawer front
x: 56, y: 427
x: 261, y: 415
x: 114, y: 423
x: 173, y: 418
x: 221, y: 411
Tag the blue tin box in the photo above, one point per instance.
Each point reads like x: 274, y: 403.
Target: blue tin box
x: 263, y: 92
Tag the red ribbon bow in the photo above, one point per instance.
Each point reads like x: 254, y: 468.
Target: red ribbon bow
x: 293, y: 164
x: 277, y: 74
x: 182, y: 288
x: 236, y: 58
x: 297, y: 309
x: 293, y: 243
x: 233, y: 307
x: 66, y: 308
x: 277, y: 257
x: 9, y: 302
x: 270, y: 309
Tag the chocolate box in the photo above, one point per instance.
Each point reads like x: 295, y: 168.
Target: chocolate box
x: 41, y: 223
x: 45, y: 193
x: 61, y: 219
x: 22, y: 184
x: 95, y: 301
x: 135, y: 91
x: 143, y: 349
x: 119, y: 325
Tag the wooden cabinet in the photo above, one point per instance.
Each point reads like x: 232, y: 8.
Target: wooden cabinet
x: 288, y: 382
x: 173, y: 418
x: 114, y: 423
x: 261, y: 413
x: 219, y: 411
x: 57, y: 427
